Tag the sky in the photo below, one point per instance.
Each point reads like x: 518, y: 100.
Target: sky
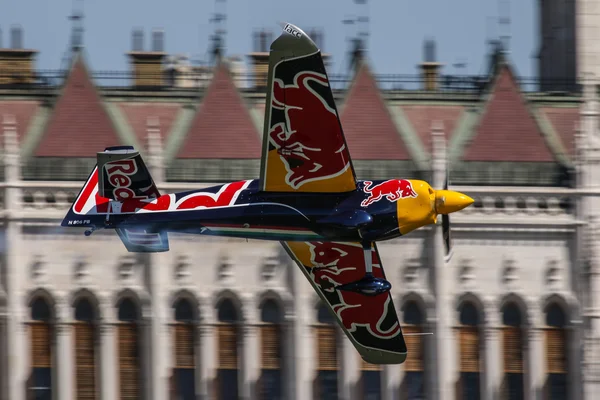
x: 397, y: 29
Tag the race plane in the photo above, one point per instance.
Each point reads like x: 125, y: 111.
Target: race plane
x: 308, y: 198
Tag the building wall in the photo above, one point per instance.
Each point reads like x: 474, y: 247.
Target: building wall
x: 512, y: 261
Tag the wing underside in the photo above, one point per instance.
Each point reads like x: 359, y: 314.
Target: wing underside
x: 371, y: 323
x: 304, y: 149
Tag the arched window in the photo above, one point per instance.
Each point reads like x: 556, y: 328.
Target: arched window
x: 469, y: 345
x: 40, y: 381
x: 129, y: 351
x: 184, y: 357
x: 326, y: 385
x: 85, y: 350
x: 228, y: 355
x: 270, y: 384
x: 413, y: 386
x: 512, y: 341
x: 556, y: 353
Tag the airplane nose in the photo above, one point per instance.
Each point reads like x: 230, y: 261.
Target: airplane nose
x: 448, y: 201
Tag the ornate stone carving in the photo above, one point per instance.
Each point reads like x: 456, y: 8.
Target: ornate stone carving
x: 411, y: 272
x: 509, y: 272
x: 553, y: 276
x: 225, y: 269
x: 80, y: 269
x: 466, y: 274
x: 269, y: 268
x: 126, y: 266
x: 38, y: 268
x: 182, y: 268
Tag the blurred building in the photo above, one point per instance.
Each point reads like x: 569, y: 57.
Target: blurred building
x: 558, y: 53
x: 514, y: 313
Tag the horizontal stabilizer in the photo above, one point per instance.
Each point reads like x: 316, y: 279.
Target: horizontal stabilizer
x: 139, y: 240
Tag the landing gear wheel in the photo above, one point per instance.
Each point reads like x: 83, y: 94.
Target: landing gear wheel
x: 368, y: 285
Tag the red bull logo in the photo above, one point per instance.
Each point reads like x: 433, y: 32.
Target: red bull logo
x: 119, y: 176
x: 340, y: 263
x: 392, y: 190
x: 309, y: 142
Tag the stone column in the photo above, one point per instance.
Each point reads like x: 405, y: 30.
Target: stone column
x: 155, y: 152
x: 208, y: 360
x: 64, y: 360
x: 493, y: 360
x: 250, y: 359
x: 350, y: 373
x: 157, y: 355
x: 304, y: 346
x: 288, y: 365
x: 16, y: 339
x: 109, y: 365
x: 536, y: 368
x: 445, y: 357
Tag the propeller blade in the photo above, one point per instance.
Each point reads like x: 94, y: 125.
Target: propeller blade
x: 446, y: 177
x: 446, y: 234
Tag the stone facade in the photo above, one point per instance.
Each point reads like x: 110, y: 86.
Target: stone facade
x: 533, y: 254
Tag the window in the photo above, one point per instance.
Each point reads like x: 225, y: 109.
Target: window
x: 228, y: 348
x: 413, y: 386
x: 556, y: 353
x: 469, y: 345
x: 512, y: 343
x: 39, y: 384
x: 326, y: 385
x: 85, y: 350
x: 270, y: 384
x: 129, y: 351
x: 184, y: 379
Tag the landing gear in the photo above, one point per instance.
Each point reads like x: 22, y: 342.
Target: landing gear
x: 368, y: 285
x: 90, y: 231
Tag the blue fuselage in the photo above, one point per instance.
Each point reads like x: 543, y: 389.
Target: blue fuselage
x: 274, y: 216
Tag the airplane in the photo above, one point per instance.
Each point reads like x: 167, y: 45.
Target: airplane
x: 307, y: 197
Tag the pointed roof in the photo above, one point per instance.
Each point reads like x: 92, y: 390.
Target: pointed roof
x: 563, y: 121
x: 80, y: 125
x: 507, y: 129
x: 137, y: 114
x: 422, y: 118
x: 23, y: 111
x: 370, y: 131
x: 222, y: 126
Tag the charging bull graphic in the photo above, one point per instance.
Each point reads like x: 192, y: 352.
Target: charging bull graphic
x: 393, y: 189
x: 304, y: 141
x: 337, y: 263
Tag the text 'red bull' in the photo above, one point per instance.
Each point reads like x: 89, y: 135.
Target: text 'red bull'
x: 337, y: 264
x: 306, y: 152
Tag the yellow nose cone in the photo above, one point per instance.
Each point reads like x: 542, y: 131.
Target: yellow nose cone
x: 448, y: 201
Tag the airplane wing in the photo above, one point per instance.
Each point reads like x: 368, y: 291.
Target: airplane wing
x: 304, y: 149
x: 371, y: 323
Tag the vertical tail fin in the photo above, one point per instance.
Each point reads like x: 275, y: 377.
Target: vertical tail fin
x: 120, y: 175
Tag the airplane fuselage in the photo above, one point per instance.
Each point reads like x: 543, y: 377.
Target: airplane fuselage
x: 239, y: 209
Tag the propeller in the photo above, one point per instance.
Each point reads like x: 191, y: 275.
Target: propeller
x: 447, y: 202
x: 446, y: 225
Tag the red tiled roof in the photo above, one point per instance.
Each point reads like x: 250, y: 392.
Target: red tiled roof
x: 23, y: 111
x: 137, y: 115
x: 222, y: 126
x: 422, y: 118
x: 370, y: 132
x: 79, y: 126
x: 507, y: 131
x: 563, y: 119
